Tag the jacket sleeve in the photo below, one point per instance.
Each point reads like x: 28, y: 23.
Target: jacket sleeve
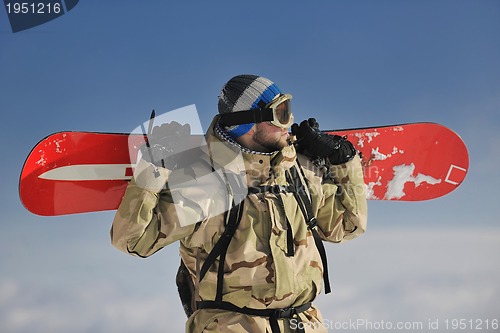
x: 341, y: 202
x: 147, y: 218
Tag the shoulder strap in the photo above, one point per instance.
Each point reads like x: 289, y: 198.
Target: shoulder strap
x: 305, y: 206
x: 232, y: 219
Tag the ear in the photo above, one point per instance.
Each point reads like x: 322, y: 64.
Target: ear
x: 246, y: 140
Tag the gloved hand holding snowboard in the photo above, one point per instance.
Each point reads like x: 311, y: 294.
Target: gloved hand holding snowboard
x: 316, y: 145
x: 166, y: 142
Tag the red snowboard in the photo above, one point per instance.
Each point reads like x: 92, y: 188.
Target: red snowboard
x: 78, y: 172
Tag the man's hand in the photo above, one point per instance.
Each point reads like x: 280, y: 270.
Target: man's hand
x: 165, y: 143
x: 314, y: 144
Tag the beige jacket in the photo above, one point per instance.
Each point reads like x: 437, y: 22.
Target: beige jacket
x: 258, y: 273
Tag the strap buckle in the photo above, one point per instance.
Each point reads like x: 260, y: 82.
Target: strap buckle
x: 312, y: 223
x: 285, y: 313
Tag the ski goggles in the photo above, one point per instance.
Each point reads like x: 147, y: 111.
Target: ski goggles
x: 277, y: 112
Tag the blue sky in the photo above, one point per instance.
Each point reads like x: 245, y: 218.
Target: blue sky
x: 106, y: 64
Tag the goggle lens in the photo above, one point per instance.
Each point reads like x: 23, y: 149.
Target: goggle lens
x: 278, y: 112
x: 283, y: 112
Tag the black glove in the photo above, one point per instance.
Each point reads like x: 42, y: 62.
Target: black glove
x: 165, y: 143
x: 316, y: 145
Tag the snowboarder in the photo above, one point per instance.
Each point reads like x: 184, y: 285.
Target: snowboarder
x: 258, y: 265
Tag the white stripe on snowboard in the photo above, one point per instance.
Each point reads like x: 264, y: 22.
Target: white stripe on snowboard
x: 89, y: 172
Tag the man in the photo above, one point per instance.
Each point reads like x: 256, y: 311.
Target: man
x: 253, y: 254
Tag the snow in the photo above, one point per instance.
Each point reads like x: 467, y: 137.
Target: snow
x: 368, y: 136
x: 395, y: 150
x: 361, y: 140
x: 47, y: 146
x: 378, y: 156
x: 58, y: 145
x: 404, y: 174
x: 371, y: 135
x: 420, y: 178
x: 42, y: 161
x: 370, y: 193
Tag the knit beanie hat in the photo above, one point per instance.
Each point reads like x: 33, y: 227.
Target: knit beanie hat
x: 242, y: 93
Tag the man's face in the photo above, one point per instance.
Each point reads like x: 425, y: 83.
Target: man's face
x: 270, y: 137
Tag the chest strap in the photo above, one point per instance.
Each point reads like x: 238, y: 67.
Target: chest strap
x: 273, y: 189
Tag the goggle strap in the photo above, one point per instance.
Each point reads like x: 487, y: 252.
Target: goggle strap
x: 247, y: 117
x: 261, y: 104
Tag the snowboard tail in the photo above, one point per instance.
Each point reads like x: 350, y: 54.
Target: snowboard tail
x: 79, y: 172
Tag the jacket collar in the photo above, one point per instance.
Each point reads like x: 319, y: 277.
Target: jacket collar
x: 257, y: 166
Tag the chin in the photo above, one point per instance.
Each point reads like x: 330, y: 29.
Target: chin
x: 284, y: 142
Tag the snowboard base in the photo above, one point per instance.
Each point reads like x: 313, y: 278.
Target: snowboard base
x: 79, y: 172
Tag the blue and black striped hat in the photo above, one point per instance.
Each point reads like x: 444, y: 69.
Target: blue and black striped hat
x: 244, y: 92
